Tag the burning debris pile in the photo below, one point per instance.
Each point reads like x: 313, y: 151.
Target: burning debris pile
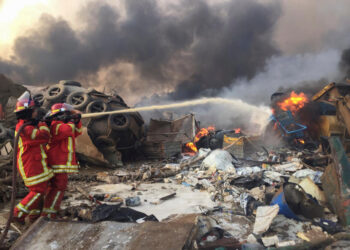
x: 221, y: 188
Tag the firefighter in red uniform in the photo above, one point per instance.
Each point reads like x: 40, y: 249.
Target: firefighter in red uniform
x: 65, y: 127
x: 31, y: 159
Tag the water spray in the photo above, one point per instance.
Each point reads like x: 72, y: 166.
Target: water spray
x: 202, y: 101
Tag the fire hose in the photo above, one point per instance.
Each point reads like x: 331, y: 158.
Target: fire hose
x: 14, y: 179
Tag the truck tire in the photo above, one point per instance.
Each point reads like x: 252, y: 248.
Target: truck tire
x: 39, y: 99
x: 70, y: 83
x: 78, y: 99
x: 104, y: 142
x: 118, y: 122
x: 96, y: 106
x: 55, y: 93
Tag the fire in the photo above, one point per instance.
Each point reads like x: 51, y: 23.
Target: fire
x: 294, y: 102
x: 302, y: 141
x: 237, y: 130
x: 203, y: 132
x: 191, y: 146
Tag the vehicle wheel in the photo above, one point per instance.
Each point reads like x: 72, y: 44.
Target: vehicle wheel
x: 3, y: 132
x: 78, y: 99
x: 39, y: 99
x: 96, y: 106
x: 70, y: 83
x: 104, y: 142
x: 55, y: 93
x: 119, y: 122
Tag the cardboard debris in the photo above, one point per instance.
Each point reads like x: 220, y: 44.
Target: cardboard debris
x: 264, y: 218
x: 312, y: 189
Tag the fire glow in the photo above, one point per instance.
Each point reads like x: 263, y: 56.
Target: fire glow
x: 203, y: 132
x: 191, y: 146
x: 294, y: 102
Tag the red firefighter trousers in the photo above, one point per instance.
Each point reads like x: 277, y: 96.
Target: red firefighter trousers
x: 57, y: 186
x: 32, y: 203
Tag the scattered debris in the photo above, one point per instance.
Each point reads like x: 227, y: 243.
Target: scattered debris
x: 199, y: 188
x: 264, y: 217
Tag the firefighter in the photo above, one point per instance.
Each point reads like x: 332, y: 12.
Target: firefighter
x: 65, y: 127
x: 31, y: 159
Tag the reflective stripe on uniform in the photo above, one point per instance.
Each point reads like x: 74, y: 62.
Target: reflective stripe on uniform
x: 65, y: 169
x: 70, y: 151
x: 34, y: 212
x: 34, y: 133
x: 20, y: 162
x: 79, y: 130
x: 25, y: 208
x: 49, y: 211
x: 55, y: 200
x: 72, y: 126
x: 57, y: 171
x: 44, y: 128
x: 45, y: 177
x: 22, y: 208
x: 57, y: 127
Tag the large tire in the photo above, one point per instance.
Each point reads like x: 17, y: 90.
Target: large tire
x: 119, y: 122
x: 55, y: 93
x: 70, y: 83
x: 39, y: 99
x: 3, y: 132
x: 78, y: 99
x: 96, y: 106
x: 104, y: 142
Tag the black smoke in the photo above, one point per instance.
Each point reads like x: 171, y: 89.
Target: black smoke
x: 206, y: 46
x: 345, y: 63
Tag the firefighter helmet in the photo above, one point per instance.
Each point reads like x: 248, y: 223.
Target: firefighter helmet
x: 60, y: 107
x: 24, y: 102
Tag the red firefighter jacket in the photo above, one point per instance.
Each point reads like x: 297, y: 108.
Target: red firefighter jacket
x: 61, y: 150
x: 31, y: 155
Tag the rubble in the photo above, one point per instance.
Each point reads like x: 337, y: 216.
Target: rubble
x: 227, y: 189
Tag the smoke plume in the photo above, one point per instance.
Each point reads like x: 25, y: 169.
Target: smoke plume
x: 190, y: 47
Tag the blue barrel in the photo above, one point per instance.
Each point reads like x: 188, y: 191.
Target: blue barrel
x: 280, y: 200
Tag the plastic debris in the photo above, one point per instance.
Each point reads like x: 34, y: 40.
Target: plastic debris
x: 133, y: 201
x: 218, y: 160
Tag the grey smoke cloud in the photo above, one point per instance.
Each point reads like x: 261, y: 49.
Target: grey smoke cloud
x: 194, y: 45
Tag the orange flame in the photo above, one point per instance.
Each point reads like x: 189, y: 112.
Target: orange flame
x: 294, y: 102
x: 191, y: 146
x: 302, y: 141
x: 203, y: 132
x: 237, y: 130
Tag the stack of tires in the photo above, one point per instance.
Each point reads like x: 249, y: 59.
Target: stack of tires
x: 109, y: 133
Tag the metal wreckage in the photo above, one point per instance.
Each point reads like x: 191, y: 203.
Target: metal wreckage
x: 183, y: 186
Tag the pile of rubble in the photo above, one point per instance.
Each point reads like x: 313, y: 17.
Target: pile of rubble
x: 212, y: 189
x: 277, y: 198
